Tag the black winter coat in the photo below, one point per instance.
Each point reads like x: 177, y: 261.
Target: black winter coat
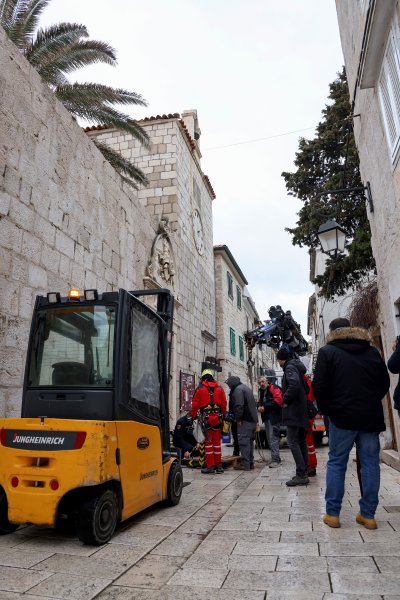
x: 394, y: 367
x: 350, y: 380
x: 294, y: 407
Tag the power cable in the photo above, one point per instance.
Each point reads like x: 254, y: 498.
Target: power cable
x: 270, y: 137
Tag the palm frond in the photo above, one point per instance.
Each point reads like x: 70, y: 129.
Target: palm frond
x: 93, y: 110
x: 128, y: 171
x: 19, y: 19
x: 97, y: 93
x: 54, y: 65
x: 7, y: 8
x: 30, y: 18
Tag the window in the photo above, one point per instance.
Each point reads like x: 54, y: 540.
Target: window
x: 389, y: 91
x: 73, y: 346
x: 145, y: 379
x: 241, y: 348
x: 230, y: 285
x: 232, y: 338
x: 239, y: 297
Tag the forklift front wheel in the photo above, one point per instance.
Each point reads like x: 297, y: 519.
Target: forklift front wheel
x: 175, y: 484
x: 5, y: 525
x: 97, y: 518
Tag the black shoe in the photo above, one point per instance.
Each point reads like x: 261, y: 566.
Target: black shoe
x: 312, y: 473
x: 251, y: 466
x: 219, y: 469
x: 241, y: 468
x: 297, y: 480
x: 208, y: 470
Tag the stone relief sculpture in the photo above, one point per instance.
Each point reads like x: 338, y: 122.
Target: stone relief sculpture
x: 162, y: 264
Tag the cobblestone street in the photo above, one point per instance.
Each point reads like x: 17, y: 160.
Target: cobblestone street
x: 236, y: 536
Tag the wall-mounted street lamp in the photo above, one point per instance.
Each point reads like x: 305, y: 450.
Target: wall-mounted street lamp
x: 332, y: 238
x: 331, y: 235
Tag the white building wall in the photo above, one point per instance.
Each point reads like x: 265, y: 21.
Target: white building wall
x: 383, y: 175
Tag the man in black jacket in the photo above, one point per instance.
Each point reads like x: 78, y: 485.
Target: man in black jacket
x: 350, y: 380
x: 294, y: 413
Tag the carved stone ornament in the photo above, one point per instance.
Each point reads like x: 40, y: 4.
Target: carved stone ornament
x: 161, y: 265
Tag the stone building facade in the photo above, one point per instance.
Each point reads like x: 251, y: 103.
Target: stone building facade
x: 67, y: 219
x: 180, y: 195
x: 370, y: 39
x: 235, y: 315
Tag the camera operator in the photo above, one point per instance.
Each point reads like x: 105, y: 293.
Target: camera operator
x: 394, y: 367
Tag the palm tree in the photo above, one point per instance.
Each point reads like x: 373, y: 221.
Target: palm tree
x: 59, y: 50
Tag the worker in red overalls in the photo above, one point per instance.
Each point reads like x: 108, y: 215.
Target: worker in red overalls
x: 312, y: 454
x: 209, y: 405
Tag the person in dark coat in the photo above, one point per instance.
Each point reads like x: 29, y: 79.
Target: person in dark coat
x: 241, y: 399
x: 350, y: 380
x: 394, y: 367
x: 183, y: 437
x: 294, y: 413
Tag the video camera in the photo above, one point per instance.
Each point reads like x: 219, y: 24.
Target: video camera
x: 280, y: 329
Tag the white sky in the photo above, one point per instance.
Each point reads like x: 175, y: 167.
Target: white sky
x: 253, y: 69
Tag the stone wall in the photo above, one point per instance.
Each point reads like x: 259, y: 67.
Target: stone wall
x: 377, y: 168
x: 66, y: 218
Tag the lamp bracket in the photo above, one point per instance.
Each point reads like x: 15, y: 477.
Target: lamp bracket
x: 340, y: 192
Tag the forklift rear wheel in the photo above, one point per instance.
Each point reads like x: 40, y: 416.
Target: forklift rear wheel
x: 175, y: 484
x: 5, y: 525
x: 97, y: 518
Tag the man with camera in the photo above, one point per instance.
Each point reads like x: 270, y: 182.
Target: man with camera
x: 269, y: 405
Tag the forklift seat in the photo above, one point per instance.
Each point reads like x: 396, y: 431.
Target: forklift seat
x: 70, y: 373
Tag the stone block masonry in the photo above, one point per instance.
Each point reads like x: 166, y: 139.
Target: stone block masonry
x: 66, y: 217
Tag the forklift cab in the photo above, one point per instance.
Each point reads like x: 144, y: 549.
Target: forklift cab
x: 92, y: 445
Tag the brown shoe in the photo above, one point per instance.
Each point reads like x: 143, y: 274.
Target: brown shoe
x: 251, y: 466
x: 368, y: 523
x: 331, y: 521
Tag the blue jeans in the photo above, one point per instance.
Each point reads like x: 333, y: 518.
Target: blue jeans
x: 340, y: 444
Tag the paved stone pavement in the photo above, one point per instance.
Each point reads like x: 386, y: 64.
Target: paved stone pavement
x: 236, y: 536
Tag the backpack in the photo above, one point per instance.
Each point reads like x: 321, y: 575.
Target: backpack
x: 276, y: 393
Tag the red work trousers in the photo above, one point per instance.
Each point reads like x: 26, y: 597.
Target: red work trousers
x: 212, y: 445
x: 312, y: 455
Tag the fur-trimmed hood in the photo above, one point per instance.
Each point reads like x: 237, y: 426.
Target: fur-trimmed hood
x: 349, y: 333
x: 354, y: 340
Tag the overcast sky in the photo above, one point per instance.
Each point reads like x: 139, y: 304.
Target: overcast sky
x: 253, y: 69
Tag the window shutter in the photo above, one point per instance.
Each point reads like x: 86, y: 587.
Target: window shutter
x: 241, y: 348
x: 232, y: 341
x: 389, y: 92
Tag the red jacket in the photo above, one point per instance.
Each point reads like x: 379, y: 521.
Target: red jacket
x: 202, y: 398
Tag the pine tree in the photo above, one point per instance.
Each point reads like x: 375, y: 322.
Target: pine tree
x: 330, y: 161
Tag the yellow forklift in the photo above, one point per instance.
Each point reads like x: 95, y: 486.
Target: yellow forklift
x: 92, y: 446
